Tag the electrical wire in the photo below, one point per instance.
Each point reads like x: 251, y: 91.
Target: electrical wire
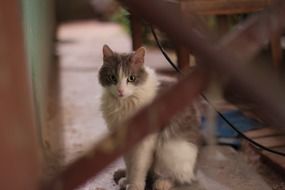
x: 260, y: 146
x: 163, y: 51
x: 240, y: 133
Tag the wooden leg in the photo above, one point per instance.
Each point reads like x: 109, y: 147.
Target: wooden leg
x: 137, y: 31
x: 223, y: 24
x: 183, y: 58
x: 276, y: 50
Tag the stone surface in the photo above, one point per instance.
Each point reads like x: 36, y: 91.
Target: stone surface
x: 222, y: 168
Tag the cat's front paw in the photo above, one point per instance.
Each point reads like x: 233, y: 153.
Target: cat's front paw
x: 120, y: 178
x: 162, y: 184
x: 123, y: 183
x: 118, y: 175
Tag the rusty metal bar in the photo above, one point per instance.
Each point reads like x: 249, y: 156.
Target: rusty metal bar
x: 19, y: 144
x: 149, y: 120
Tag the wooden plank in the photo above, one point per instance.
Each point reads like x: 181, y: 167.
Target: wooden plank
x: 20, y: 162
x: 276, y: 49
x: 224, y: 7
x: 136, y: 31
x: 271, y: 142
x: 223, y: 24
x: 183, y: 57
x: 264, y: 132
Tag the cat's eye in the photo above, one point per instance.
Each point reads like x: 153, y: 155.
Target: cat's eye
x: 131, y: 78
x: 112, y: 78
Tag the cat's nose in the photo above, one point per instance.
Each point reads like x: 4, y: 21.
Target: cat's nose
x: 120, y: 92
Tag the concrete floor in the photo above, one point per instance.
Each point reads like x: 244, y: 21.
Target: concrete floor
x: 79, y: 49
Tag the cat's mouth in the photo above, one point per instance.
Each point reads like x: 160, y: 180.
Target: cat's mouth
x: 122, y: 96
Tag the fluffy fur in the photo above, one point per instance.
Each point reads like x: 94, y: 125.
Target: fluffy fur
x: 170, y: 154
x: 116, y: 110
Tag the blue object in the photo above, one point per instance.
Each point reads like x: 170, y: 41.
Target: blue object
x: 225, y: 134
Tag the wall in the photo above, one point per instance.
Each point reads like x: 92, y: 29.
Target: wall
x: 38, y: 20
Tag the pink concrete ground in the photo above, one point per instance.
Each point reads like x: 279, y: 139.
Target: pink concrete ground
x: 80, y: 58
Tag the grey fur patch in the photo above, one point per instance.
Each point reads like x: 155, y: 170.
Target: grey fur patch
x: 112, y: 65
x: 184, y: 125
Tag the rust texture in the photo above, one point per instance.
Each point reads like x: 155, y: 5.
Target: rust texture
x: 226, y: 58
x: 19, y: 146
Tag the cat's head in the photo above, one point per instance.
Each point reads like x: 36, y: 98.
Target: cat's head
x: 122, y: 74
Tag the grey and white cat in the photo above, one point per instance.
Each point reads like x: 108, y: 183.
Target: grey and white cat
x: 170, y: 154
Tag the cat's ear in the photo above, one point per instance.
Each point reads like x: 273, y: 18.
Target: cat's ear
x: 107, y: 51
x: 138, y: 57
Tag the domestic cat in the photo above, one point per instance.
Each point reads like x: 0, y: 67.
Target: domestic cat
x: 170, y: 155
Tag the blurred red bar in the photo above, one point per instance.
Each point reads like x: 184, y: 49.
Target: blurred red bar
x: 19, y: 164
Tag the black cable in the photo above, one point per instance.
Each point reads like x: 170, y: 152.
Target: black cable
x: 163, y: 51
x: 218, y: 112
x: 240, y: 133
